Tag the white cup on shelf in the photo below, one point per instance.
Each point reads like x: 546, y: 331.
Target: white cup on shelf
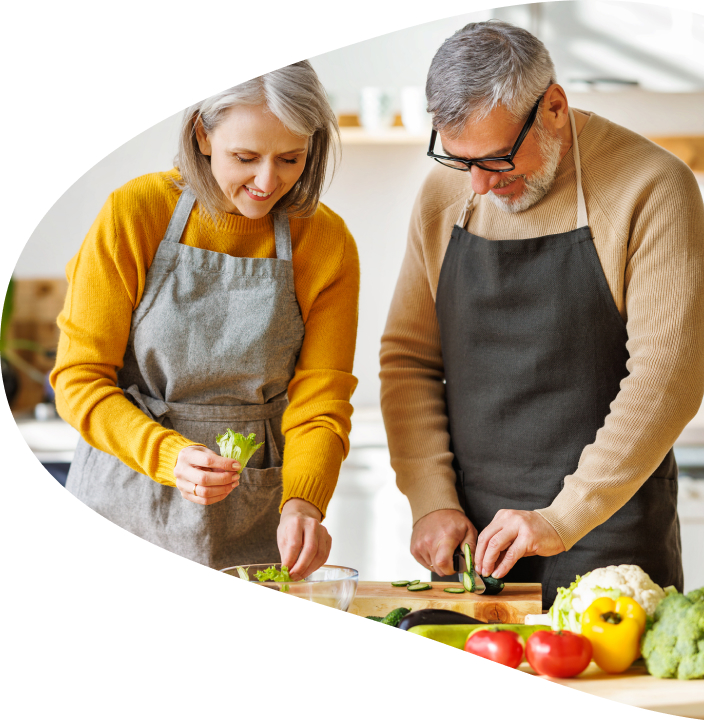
x: 375, y: 111
x: 413, y: 113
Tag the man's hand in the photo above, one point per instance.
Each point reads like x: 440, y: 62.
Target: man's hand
x: 436, y: 536
x: 511, y: 535
x: 303, y: 542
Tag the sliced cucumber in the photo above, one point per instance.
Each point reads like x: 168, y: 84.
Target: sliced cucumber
x: 414, y: 582
x: 468, y: 582
x: 454, y: 590
x: 419, y: 586
x: 469, y: 560
x: 400, y: 583
x: 493, y: 585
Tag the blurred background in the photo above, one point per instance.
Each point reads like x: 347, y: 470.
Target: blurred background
x: 638, y: 65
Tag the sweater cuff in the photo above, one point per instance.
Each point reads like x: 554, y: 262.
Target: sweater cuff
x: 433, y: 493
x: 168, y: 455
x: 312, y: 475
x: 571, y: 517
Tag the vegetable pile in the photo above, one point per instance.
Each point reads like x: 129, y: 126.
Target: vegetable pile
x: 237, y: 446
x: 613, y: 582
x: 674, y: 646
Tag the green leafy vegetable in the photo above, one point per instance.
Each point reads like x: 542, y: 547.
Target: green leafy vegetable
x: 237, y: 446
x: 273, y: 575
x: 242, y: 572
x: 674, y: 646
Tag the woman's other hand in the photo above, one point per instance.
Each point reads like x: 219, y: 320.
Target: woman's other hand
x: 304, y: 543
x: 204, y: 477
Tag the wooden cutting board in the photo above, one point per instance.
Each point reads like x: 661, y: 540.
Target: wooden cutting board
x: 511, y: 606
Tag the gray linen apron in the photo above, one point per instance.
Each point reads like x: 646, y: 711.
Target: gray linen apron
x: 534, y: 350
x: 213, y: 344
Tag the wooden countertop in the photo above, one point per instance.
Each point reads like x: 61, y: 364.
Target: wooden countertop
x: 635, y: 687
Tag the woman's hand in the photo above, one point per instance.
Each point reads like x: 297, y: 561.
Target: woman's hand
x: 304, y: 543
x: 437, y: 535
x: 204, y: 477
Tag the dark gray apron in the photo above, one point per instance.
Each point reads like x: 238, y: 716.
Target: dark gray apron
x: 534, y: 350
x: 213, y: 344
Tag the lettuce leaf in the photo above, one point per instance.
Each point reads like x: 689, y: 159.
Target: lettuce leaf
x: 237, y: 446
x: 273, y: 575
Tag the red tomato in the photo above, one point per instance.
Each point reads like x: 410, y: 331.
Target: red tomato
x: 501, y: 646
x: 560, y: 654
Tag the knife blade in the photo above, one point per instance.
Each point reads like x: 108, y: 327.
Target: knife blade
x: 459, y: 564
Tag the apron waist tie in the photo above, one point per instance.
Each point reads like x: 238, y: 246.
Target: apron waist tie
x: 156, y: 409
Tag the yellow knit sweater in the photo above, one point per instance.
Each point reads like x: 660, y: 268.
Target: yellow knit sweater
x: 106, y: 281
x: 647, y: 220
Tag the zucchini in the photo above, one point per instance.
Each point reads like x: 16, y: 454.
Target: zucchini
x: 493, y: 585
x: 454, y: 590
x: 419, y: 586
x: 395, y: 616
x: 400, y: 583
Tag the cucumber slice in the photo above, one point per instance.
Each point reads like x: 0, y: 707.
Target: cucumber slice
x: 468, y: 582
x: 414, y: 582
x: 419, y: 586
x: 400, y: 583
x: 454, y: 590
x: 469, y: 560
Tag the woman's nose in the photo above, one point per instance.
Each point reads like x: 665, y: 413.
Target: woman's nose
x: 266, y: 177
x: 483, y: 180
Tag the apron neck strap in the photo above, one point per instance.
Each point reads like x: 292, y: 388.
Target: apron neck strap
x: 282, y: 235
x: 180, y: 216
x: 581, y: 205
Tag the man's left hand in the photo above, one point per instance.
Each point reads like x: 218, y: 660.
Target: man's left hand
x: 511, y: 535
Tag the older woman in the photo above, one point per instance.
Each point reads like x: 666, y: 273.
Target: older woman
x: 220, y: 294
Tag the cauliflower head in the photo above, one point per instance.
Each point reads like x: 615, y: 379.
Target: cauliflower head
x: 614, y: 581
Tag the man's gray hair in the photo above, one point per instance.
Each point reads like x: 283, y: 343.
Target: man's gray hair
x: 294, y: 95
x: 482, y: 66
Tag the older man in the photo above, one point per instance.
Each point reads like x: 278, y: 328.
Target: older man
x: 545, y: 343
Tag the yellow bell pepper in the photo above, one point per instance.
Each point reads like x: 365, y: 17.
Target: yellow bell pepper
x: 614, y: 628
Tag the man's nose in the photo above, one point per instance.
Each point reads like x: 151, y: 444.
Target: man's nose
x: 483, y: 180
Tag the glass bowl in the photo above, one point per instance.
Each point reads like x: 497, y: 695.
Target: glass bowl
x: 330, y: 585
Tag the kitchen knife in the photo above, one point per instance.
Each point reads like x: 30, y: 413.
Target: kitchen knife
x: 459, y: 564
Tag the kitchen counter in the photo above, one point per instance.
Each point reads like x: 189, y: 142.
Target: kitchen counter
x: 684, y: 698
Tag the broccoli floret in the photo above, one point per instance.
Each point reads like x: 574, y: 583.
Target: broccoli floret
x: 674, y: 646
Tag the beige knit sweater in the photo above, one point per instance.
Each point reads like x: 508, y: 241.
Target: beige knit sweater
x: 647, y: 219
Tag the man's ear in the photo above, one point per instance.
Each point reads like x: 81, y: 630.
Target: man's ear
x: 555, y: 108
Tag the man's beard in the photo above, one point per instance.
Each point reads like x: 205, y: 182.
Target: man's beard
x: 536, y: 187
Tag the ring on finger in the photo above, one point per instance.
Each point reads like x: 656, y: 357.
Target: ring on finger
x: 195, y: 490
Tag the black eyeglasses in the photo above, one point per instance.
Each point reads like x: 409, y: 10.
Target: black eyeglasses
x: 492, y: 164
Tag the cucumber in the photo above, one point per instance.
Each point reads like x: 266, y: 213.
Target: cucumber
x: 395, y: 616
x: 376, y: 618
x: 414, y: 582
x: 493, y: 585
x: 468, y: 581
x: 469, y: 560
x: 454, y: 590
x: 419, y: 586
x: 400, y: 583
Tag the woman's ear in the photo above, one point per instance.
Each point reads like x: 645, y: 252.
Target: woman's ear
x: 202, y: 138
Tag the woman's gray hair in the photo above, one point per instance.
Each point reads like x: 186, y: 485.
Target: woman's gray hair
x: 293, y: 94
x: 484, y: 65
